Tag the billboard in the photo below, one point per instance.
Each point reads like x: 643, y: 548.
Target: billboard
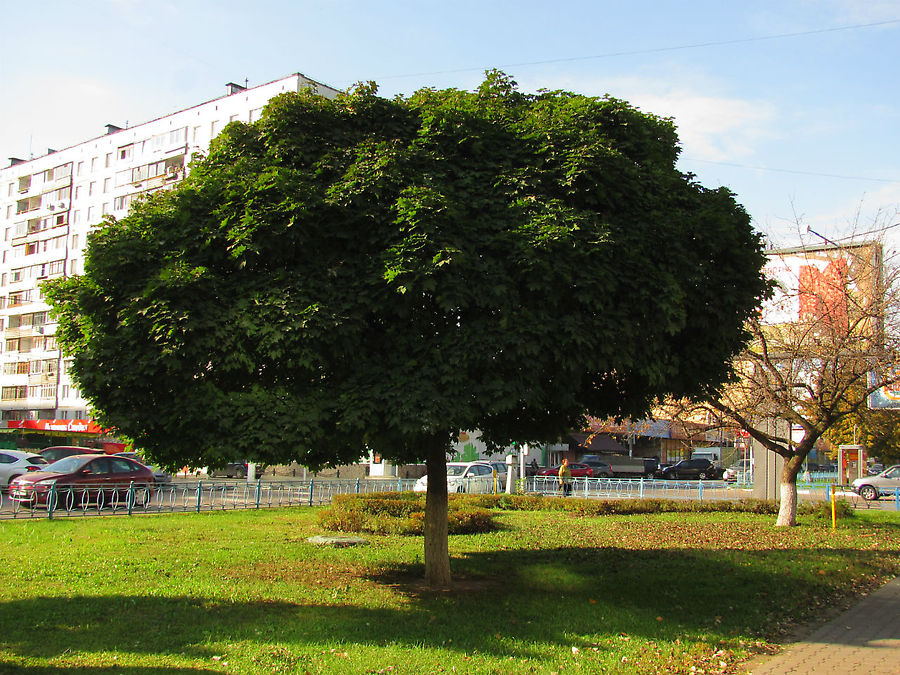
x: 834, y: 287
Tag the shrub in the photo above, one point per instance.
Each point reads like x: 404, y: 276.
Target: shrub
x: 822, y: 510
x: 402, y: 513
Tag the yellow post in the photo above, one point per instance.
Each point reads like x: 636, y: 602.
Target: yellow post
x: 833, y: 508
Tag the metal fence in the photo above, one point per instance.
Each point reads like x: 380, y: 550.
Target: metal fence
x: 185, y: 497
x: 637, y: 488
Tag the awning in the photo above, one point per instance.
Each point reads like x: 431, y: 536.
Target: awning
x: 67, y: 426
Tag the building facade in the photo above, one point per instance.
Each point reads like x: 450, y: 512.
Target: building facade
x: 49, y: 205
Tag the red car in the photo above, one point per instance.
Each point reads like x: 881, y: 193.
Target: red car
x: 80, y: 479
x: 578, y: 471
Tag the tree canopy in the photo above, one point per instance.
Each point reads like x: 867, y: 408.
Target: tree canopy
x: 365, y: 272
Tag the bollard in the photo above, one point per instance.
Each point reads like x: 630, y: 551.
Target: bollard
x: 258, y: 490
x: 700, y: 490
x: 357, y: 486
x: 130, y: 497
x: 199, y: 494
x: 310, y: 492
x: 897, y: 498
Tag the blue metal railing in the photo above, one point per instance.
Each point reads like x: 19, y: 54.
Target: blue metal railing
x: 189, y: 496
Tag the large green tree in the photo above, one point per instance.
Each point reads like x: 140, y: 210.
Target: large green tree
x: 371, y: 273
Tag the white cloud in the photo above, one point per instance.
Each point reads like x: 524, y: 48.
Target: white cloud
x: 712, y: 128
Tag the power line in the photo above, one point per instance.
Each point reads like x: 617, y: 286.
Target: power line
x: 793, y: 171
x: 655, y: 50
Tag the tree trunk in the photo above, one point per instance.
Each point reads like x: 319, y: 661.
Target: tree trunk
x: 787, y: 507
x: 437, y: 553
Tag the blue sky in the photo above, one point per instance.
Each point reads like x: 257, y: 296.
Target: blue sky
x: 792, y: 104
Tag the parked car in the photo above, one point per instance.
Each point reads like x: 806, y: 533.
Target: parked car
x: 874, y: 469
x: 159, y: 476
x: 84, y: 478
x: 599, y: 468
x: 578, y: 470
x: 57, y: 452
x: 465, y: 477
x: 14, y: 463
x: 871, y: 488
x: 738, y: 470
x: 230, y: 470
x: 692, y: 469
x: 501, y: 469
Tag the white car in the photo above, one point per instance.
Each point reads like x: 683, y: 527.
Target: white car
x: 740, y: 470
x: 467, y: 477
x: 13, y: 463
x: 872, y: 487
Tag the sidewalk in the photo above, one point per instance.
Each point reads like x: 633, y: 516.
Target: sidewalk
x: 864, y: 639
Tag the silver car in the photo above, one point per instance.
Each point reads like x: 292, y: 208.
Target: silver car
x: 872, y: 487
x: 466, y: 477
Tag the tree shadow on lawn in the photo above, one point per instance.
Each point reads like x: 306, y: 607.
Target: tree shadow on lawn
x: 507, y: 604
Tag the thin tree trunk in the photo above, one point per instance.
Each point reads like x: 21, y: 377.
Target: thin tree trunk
x: 437, y: 553
x: 787, y: 507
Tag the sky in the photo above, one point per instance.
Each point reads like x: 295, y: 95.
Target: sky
x: 793, y: 105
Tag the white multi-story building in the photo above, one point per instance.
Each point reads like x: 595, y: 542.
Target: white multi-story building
x: 49, y: 204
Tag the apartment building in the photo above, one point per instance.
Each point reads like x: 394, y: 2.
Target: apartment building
x: 49, y: 204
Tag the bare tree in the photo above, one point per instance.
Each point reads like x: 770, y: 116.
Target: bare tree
x: 823, y: 344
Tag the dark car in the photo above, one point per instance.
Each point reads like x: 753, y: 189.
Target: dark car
x: 599, y: 468
x: 692, y: 469
x: 80, y: 479
x: 56, y: 452
x: 230, y: 470
x: 578, y: 471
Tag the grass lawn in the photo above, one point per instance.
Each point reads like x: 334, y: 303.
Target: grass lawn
x: 551, y: 592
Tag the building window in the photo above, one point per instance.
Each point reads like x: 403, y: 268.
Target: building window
x: 29, y: 204
x: 80, y: 169
x: 24, y: 183
x: 108, y: 162
x: 106, y: 183
x: 126, y: 152
x: 92, y: 187
x: 14, y: 393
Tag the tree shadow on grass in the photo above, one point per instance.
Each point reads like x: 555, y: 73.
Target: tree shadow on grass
x: 507, y: 604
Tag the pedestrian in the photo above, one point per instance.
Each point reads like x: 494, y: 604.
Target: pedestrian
x: 565, y: 478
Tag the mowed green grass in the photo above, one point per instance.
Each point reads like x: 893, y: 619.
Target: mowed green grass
x: 550, y: 592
